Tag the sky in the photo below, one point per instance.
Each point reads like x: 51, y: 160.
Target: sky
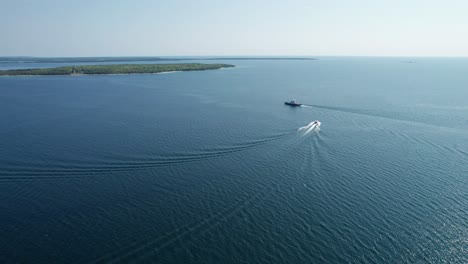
x: 234, y: 28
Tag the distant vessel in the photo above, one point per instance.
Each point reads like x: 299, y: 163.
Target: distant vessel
x: 292, y: 103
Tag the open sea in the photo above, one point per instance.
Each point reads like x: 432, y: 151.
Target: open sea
x: 212, y: 167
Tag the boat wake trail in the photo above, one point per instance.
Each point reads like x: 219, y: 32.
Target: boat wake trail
x: 307, y: 106
x: 148, y: 249
x: 18, y: 171
x: 396, y: 116
x: 313, y: 126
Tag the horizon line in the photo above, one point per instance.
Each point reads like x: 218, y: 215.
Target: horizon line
x: 236, y: 56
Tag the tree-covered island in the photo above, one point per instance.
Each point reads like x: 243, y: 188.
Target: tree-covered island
x: 114, y: 69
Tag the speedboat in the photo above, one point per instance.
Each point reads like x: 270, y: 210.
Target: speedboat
x: 312, y: 126
x: 292, y: 103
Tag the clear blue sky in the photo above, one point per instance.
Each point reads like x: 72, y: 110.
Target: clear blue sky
x: 237, y: 27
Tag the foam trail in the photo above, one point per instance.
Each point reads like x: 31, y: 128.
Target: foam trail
x: 306, y: 127
x: 312, y: 128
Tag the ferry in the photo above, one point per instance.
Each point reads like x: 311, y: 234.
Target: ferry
x: 292, y: 103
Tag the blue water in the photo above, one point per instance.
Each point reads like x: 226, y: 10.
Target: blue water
x: 209, y: 167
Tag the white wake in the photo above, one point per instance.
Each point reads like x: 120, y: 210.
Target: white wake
x: 313, y: 126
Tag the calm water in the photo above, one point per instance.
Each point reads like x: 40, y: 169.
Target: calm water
x: 209, y: 167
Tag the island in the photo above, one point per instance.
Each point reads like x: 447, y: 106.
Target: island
x: 25, y: 59
x: 114, y: 69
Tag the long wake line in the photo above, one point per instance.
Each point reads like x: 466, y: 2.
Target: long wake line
x: 386, y: 115
x: 18, y: 171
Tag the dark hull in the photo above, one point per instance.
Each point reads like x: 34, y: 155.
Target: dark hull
x: 292, y: 104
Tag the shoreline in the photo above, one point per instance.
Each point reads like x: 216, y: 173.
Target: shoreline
x: 116, y: 69
x: 92, y: 74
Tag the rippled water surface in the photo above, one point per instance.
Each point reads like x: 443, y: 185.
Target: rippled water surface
x: 211, y: 167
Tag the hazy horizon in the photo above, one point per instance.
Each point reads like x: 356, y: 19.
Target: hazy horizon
x: 242, y: 28
x: 237, y: 56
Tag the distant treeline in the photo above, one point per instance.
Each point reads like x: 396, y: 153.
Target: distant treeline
x: 26, y: 59
x: 133, y: 59
x: 115, y: 69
